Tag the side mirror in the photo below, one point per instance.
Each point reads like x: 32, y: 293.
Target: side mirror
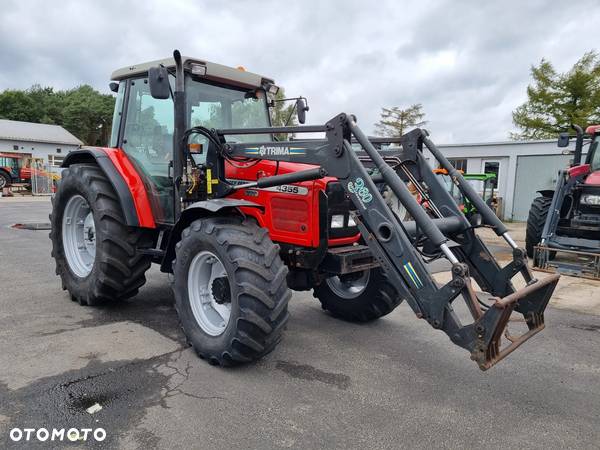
x: 158, y: 79
x: 301, y: 108
x: 563, y: 140
x: 114, y: 87
x: 476, y: 220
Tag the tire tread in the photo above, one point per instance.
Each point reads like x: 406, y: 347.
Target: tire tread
x: 260, y: 285
x: 121, y: 269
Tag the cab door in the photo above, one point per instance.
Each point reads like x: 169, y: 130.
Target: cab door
x: 146, y: 137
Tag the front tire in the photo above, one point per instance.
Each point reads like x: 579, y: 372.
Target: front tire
x: 230, y: 290
x: 360, y: 297
x: 535, y: 223
x: 95, y: 251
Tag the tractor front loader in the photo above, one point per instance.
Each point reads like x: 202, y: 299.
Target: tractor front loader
x: 195, y: 182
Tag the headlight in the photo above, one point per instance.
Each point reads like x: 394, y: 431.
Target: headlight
x: 590, y: 199
x: 351, y: 222
x: 337, y: 221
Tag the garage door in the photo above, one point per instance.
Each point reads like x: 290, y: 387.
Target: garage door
x: 535, y: 173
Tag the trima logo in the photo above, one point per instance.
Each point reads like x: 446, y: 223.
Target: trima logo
x: 265, y: 150
x: 57, y: 434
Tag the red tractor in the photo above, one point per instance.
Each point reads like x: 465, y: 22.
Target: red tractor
x: 194, y: 181
x: 13, y: 169
x: 566, y: 220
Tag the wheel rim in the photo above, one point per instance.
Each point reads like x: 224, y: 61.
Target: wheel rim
x: 206, y: 277
x: 349, y: 288
x: 79, y: 236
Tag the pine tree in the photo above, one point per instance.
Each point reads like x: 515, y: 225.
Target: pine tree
x: 557, y: 100
x: 395, y: 122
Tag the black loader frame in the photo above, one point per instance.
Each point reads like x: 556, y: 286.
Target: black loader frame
x: 395, y: 243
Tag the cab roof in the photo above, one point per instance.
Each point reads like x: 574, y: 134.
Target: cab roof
x: 215, y: 72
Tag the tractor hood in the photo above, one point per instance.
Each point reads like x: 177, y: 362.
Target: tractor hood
x: 593, y: 178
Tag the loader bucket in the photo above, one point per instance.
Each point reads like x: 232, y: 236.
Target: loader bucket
x: 530, y: 301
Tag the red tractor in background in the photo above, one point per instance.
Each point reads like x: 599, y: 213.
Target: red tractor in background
x: 566, y: 221
x: 195, y: 181
x: 14, y: 169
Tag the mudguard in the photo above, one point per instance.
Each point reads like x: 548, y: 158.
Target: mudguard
x: 196, y: 211
x: 123, y: 177
x: 548, y: 193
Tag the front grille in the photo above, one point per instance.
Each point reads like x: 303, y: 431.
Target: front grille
x: 339, y: 204
x: 589, y: 210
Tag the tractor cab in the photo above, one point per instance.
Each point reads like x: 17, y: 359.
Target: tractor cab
x: 10, y: 164
x: 593, y: 157
x: 14, y: 168
x: 216, y: 96
x: 592, y: 161
x: 483, y: 183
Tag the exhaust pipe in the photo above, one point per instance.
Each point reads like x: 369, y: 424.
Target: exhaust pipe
x: 178, y: 132
x: 578, y: 145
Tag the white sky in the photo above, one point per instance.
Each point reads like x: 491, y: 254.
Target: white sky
x: 467, y: 62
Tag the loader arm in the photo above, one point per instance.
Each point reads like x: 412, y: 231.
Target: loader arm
x: 396, y: 244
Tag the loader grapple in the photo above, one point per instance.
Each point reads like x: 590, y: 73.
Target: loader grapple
x: 492, y: 326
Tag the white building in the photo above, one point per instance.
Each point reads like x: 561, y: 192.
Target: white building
x: 522, y: 167
x: 47, y: 142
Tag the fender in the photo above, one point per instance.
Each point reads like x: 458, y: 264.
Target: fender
x: 196, y: 211
x: 548, y: 193
x: 123, y: 177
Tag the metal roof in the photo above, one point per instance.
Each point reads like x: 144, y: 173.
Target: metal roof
x: 12, y: 130
x: 515, y: 142
x: 216, y: 72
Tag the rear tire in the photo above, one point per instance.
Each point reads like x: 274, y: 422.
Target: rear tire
x: 114, y: 269
x: 5, y: 179
x: 536, y: 220
x: 246, y: 277
x: 361, y: 298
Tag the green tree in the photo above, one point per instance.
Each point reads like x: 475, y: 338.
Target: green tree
x: 88, y: 114
x: 557, y: 100
x: 283, y: 114
x: 47, y: 103
x: 395, y: 121
x: 83, y: 111
x: 17, y: 105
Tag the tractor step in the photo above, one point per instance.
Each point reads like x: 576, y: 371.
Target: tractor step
x: 348, y: 259
x: 530, y: 302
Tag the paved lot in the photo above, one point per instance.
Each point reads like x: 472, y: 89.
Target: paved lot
x: 392, y: 384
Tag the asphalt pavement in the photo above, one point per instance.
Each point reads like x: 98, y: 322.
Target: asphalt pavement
x: 395, y: 383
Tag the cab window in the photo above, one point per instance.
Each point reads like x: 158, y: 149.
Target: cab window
x: 148, y: 142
